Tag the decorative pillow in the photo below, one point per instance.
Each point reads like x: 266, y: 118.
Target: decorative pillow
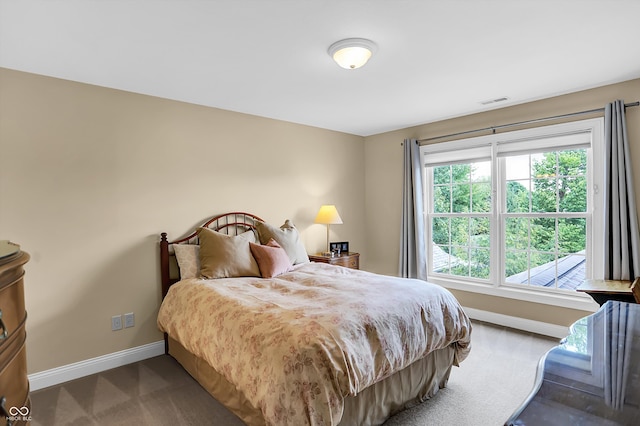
x: 188, y: 257
x: 272, y: 259
x: 287, y: 237
x: 226, y: 256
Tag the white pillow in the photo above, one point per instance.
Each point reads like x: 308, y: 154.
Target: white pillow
x: 188, y: 257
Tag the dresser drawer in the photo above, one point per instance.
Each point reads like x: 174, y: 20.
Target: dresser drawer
x: 349, y: 260
x: 14, y: 383
x: 353, y: 262
x: 12, y: 310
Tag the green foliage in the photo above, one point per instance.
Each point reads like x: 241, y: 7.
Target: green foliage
x: 458, y: 190
x: 560, y: 176
x: 517, y: 197
x: 572, y: 235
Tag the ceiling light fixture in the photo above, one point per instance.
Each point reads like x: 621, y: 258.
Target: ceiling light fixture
x: 352, y: 53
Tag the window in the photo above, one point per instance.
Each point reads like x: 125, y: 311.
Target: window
x: 517, y: 214
x: 461, y: 219
x: 544, y: 220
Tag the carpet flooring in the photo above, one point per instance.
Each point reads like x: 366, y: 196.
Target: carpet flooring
x: 489, y: 385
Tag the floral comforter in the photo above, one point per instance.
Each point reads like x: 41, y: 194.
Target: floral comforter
x: 298, y: 343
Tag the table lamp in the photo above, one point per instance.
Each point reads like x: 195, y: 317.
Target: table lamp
x: 328, y: 215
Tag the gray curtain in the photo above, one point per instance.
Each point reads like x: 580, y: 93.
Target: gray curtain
x: 622, y: 243
x: 412, y: 238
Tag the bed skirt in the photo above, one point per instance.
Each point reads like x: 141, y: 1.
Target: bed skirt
x: 375, y: 404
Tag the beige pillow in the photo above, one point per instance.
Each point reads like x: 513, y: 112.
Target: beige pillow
x: 287, y: 237
x: 226, y: 256
x: 188, y: 257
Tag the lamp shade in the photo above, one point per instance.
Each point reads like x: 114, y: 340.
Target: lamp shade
x: 328, y: 215
x: 352, y: 53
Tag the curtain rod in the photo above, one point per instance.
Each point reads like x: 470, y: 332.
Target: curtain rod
x: 520, y: 123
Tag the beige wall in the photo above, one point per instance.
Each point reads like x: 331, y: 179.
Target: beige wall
x: 383, y: 171
x: 90, y: 176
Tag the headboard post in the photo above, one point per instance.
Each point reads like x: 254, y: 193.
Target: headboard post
x: 164, y: 263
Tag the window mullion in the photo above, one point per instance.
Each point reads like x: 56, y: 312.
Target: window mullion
x: 498, y: 205
x: 428, y: 208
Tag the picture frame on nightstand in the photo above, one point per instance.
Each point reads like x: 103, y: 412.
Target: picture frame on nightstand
x: 339, y: 247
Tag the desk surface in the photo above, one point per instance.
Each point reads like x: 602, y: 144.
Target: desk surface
x: 605, y: 286
x: 593, y: 376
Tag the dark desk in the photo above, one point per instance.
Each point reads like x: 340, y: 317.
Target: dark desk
x: 603, y: 290
x: 593, y: 376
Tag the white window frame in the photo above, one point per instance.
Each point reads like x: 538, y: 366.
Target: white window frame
x: 474, y: 149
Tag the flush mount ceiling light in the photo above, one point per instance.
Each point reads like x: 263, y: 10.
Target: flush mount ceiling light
x: 352, y: 53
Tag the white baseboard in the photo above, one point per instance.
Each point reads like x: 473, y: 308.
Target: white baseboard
x: 87, y: 367
x: 544, y: 328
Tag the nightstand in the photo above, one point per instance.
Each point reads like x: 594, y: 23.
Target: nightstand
x: 350, y: 259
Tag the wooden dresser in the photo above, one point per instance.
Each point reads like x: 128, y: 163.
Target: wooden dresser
x: 15, y: 406
x: 350, y: 259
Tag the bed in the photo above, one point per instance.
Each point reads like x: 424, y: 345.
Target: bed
x: 297, y: 342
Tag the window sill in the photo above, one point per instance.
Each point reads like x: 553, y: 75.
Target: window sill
x: 579, y: 301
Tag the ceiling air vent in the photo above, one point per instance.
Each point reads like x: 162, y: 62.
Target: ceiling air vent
x: 493, y: 101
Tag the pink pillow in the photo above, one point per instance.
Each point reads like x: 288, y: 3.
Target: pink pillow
x: 271, y: 258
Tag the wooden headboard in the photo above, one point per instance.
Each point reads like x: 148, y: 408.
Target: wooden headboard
x: 229, y: 223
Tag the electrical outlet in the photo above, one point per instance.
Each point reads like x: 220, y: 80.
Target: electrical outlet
x: 129, y: 320
x: 116, y: 322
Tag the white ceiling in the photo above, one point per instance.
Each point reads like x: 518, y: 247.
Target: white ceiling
x: 436, y: 59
